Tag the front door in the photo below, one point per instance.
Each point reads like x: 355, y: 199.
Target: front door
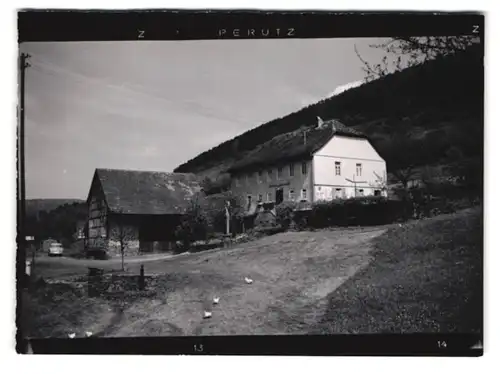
x: 279, y: 196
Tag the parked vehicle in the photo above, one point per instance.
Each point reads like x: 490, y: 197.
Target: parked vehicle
x: 55, y: 249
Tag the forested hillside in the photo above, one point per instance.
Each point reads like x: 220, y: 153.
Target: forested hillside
x: 59, y: 223
x: 34, y: 206
x: 430, y: 114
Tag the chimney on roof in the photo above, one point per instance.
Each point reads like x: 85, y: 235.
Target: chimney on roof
x: 320, y: 121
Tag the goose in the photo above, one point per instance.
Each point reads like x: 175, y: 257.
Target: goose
x: 72, y: 335
x: 216, y: 300
x: 88, y: 334
x: 248, y: 280
x: 207, y: 314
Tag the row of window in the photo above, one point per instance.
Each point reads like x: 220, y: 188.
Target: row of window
x: 270, y: 172
x: 359, y: 169
x: 270, y: 197
x: 291, y: 172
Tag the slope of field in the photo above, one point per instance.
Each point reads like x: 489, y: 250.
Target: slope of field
x: 425, y: 276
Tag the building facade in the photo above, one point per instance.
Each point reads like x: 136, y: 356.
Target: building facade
x: 328, y: 162
x: 140, y: 209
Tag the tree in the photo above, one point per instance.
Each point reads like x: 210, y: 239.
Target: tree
x: 219, y: 184
x: 403, y: 155
x: 410, y: 51
x: 124, y: 234
x: 194, y: 223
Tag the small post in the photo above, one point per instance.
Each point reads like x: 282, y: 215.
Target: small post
x: 141, y: 278
x: 228, y: 218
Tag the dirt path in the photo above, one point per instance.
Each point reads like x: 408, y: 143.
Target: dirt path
x: 290, y: 273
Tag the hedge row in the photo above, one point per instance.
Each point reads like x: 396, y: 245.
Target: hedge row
x: 358, y: 212
x: 364, y: 211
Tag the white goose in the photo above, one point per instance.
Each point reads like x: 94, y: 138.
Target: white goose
x: 207, y: 314
x: 72, y: 335
x: 248, y: 280
x: 216, y: 300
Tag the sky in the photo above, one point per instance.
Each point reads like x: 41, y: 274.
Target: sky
x: 153, y: 105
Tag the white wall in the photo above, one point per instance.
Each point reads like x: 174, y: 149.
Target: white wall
x: 349, y: 152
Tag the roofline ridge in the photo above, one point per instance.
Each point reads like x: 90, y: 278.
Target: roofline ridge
x: 145, y: 171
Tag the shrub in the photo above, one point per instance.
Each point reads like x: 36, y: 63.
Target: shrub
x: 215, y: 209
x: 285, y: 213
x: 362, y: 211
x: 194, y: 225
x: 265, y: 218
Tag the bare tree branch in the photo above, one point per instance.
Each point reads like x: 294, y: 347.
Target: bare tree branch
x: 412, y: 51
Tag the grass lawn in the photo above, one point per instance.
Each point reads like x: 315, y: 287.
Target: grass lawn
x: 424, y: 276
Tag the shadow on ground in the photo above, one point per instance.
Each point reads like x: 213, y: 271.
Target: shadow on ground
x: 426, y: 277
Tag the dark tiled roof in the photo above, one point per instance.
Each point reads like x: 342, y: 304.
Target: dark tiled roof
x: 294, y: 145
x: 147, y: 192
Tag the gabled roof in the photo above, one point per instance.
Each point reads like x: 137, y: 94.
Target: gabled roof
x: 147, y: 192
x: 294, y: 145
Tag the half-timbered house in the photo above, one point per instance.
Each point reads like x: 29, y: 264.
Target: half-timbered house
x: 138, y: 208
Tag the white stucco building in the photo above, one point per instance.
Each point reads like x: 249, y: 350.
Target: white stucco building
x: 329, y: 161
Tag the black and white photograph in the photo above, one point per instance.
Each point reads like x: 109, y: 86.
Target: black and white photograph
x: 250, y: 183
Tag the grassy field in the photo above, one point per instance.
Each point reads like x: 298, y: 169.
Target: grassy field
x: 424, y: 276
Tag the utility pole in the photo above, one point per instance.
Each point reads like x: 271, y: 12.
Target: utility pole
x: 23, y: 64
x: 21, y: 204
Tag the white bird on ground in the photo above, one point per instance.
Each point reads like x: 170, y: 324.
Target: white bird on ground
x: 207, y: 314
x: 72, y: 335
x: 248, y: 280
x: 88, y: 334
x: 216, y: 300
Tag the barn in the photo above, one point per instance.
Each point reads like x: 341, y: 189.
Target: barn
x: 140, y: 209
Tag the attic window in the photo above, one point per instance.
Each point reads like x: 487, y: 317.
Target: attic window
x: 358, y: 170
x: 292, y: 171
x: 337, y: 167
x: 259, y: 176
x: 270, y: 174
